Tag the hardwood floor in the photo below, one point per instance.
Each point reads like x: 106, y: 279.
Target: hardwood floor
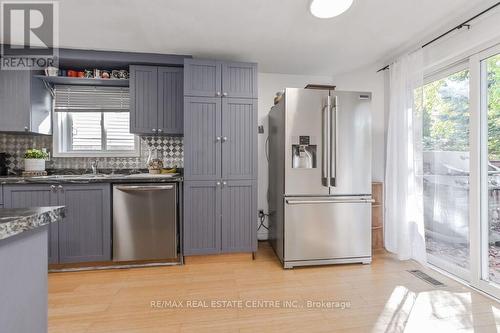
x: 381, y: 297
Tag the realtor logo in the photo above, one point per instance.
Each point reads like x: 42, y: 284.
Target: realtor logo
x: 29, y: 35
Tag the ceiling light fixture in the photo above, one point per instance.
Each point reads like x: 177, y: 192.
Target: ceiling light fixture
x: 329, y: 8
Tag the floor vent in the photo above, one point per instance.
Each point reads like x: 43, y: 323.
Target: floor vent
x: 421, y: 275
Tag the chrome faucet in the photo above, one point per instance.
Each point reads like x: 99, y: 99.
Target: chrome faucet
x: 94, y: 164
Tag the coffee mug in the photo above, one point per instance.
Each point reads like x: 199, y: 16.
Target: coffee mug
x: 115, y: 74
x: 124, y: 74
x: 105, y: 74
x: 51, y: 71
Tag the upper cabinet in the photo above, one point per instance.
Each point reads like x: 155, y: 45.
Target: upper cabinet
x: 170, y: 100
x: 143, y: 99
x: 210, y: 78
x: 202, y: 78
x: 156, y: 100
x: 25, y: 103
x: 239, y: 80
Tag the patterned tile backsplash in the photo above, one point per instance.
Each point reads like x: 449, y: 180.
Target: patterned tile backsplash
x: 170, y: 150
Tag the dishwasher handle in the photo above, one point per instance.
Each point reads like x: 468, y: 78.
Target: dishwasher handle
x: 131, y: 188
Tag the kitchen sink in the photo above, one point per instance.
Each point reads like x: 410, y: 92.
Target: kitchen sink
x: 151, y: 175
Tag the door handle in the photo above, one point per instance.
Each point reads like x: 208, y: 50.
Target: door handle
x: 333, y: 142
x: 132, y: 188
x: 324, y: 147
x: 326, y: 201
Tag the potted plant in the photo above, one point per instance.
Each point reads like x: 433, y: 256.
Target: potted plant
x: 34, y: 160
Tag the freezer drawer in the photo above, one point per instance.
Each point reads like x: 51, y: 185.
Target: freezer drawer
x: 326, y: 228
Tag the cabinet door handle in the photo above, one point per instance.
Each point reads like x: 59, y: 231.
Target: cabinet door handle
x: 217, y: 94
x: 224, y: 183
x: 52, y: 188
x: 160, y: 130
x: 60, y: 188
x: 224, y: 138
x: 217, y: 139
x: 217, y: 184
x: 224, y: 94
x: 154, y: 129
x: 26, y: 129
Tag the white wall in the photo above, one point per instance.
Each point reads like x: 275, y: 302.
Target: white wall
x: 465, y: 42
x: 363, y: 80
x: 269, y: 84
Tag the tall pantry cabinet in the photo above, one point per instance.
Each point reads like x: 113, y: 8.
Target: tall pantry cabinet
x: 220, y: 157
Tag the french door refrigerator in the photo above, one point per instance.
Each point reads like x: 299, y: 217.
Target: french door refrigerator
x: 319, y: 194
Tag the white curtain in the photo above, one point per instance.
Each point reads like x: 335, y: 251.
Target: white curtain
x: 404, y: 226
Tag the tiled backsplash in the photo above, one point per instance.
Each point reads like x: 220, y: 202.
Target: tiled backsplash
x: 170, y: 150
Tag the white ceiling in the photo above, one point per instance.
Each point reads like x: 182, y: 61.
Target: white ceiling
x: 280, y: 35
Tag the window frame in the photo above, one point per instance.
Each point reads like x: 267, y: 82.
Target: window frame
x: 62, y: 138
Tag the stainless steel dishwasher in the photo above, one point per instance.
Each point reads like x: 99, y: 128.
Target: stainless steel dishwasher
x: 144, y: 221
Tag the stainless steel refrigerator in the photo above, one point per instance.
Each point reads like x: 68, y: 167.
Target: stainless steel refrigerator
x: 319, y: 194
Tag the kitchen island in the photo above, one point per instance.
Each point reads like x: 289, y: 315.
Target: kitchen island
x: 23, y: 262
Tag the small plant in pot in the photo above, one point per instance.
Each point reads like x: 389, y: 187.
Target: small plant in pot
x: 34, y: 160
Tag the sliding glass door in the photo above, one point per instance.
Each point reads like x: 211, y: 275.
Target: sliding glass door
x: 461, y: 169
x: 446, y: 169
x: 487, y: 229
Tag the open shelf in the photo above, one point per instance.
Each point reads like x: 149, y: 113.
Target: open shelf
x: 83, y: 81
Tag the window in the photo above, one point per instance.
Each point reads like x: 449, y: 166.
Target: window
x: 93, y: 121
x: 446, y: 167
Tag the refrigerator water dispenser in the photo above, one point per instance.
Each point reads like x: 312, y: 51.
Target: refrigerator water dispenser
x: 303, y: 154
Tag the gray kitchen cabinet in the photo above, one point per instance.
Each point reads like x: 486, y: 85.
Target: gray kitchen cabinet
x: 239, y: 216
x: 239, y: 80
x: 202, y: 78
x: 202, y: 217
x: 220, y: 156
x: 220, y: 140
x: 24, y: 196
x: 143, y: 99
x: 26, y: 103
x: 85, y: 232
x: 211, y: 78
x: 202, y: 138
x: 156, y: 100
x: 170, y: 100
x: 220, y: 216
x: 239, y: 143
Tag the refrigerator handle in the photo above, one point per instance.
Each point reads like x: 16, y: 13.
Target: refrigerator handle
x: 332, y: 161
x: 325, y: 148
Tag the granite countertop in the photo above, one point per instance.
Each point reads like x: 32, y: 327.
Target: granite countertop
x: 14, y: 221
x: 89, y: 178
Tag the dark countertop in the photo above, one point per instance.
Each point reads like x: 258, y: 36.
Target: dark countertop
x: 86, y: 179
x: 14, y: 221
